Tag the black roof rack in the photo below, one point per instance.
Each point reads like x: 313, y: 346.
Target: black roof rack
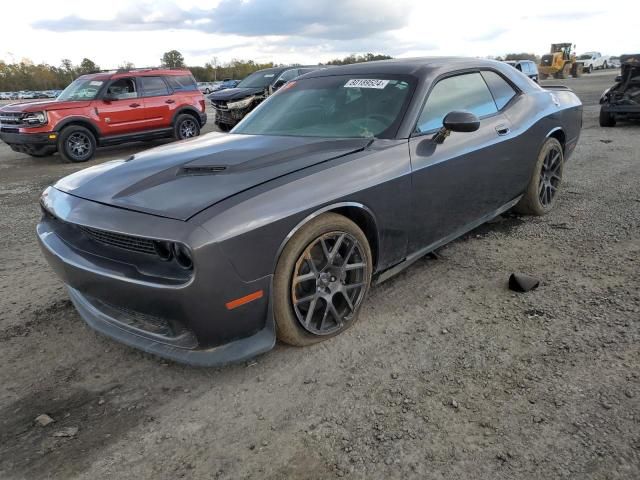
x: 133, y: 69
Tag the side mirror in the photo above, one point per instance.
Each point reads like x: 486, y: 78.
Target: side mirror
x: 457, y: 121
x: 278, y: 84
x: 461, y: 121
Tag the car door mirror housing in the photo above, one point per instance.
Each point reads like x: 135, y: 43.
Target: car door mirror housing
x: 278, y: 84
x: 461, y: 121
x: 457, y: 121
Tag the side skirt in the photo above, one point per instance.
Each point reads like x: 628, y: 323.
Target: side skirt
x: 135, y: 137
x: 414, y: 257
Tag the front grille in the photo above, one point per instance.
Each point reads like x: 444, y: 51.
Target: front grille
x: 219, y: 104
x: 166, y: 331
x: 127, y: 242
x: 9, y: 130
x: 11, y: 119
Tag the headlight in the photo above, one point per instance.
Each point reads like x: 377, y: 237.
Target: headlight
x: 182, y: 255
x: 245, y: 102
x: 35, y: 119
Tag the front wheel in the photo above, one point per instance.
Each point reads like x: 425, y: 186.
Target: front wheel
x: 76, y: 144
x: 186, y: 126
x: 541, y: 194
x: 607, y: 119
x: 321, y: 279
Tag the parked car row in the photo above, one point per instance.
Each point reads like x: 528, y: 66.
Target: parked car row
x: 29, y: 95
x: 210, y: 87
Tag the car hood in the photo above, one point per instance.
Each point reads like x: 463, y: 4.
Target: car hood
x: 41, y: 105
x: 234, y: 93
x: 183, y: 178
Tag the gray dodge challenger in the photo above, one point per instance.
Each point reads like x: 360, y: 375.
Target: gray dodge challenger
x: 208, y: 250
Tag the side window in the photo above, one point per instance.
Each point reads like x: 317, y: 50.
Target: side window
x: 123, y: 88
x: 181, y: 83
x: 289, y: 75
x: 153, y: 86
x: 502, y: 92
x: 462, y: 92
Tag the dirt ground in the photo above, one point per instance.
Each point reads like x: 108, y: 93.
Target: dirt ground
x: 448, y: 374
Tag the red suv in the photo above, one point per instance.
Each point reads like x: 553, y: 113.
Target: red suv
x: 106, y: 108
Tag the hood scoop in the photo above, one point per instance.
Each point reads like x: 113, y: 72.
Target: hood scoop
x: 201, y: 170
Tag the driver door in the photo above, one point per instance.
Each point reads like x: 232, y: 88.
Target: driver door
x: 124, y: 112
x: 471, y: 174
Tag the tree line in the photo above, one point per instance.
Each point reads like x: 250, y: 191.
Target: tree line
x: 27, y: 75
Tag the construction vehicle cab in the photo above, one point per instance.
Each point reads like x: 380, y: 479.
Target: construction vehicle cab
x: 560, y: 62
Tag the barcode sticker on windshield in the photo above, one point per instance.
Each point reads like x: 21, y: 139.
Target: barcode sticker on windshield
x: 366, y: 83
x: 95, y: 83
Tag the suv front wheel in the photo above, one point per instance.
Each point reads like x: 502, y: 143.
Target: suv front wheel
x: 186, y: 126
x: 76, y: 144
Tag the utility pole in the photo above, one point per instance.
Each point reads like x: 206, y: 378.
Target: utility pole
x: 214, y: 62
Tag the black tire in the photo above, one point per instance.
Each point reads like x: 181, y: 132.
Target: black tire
x: 605, y: 66
x: 186, y: 126
x: 590, y: 69
x: 76, y: 144
x: 607, y: 119
x: 545, y: 182
x: 224, y: 127
x: 303, y: 306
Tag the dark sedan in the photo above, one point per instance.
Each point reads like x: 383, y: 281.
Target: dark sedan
x: 205, y: 251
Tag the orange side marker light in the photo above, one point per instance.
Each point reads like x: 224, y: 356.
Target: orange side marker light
x: 238, y: 302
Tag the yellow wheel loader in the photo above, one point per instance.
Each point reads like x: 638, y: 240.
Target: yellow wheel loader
x: 560, y: 63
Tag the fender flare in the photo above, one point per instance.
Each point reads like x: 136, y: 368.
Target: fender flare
x: 187, y: 109
x: 329, y: 208
x: 84, y: 121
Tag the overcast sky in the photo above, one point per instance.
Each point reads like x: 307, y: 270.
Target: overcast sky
x: 307, y: 31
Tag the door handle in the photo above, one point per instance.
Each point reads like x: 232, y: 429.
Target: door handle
x: 502, y: 130
x: 169, y: 101
x: 134, y: 105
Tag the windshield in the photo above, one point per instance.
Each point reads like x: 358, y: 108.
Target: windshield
x: 259, y: 79
x: 81, y: 89
x: 584, y: 57
x: 333, y: 107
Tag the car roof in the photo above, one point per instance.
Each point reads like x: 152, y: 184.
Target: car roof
x: 418, y: 66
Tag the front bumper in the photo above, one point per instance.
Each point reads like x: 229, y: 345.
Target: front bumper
x: 185, y: 320
x: 630, y: 110
x: 231, y: 117
x: 30, y: 143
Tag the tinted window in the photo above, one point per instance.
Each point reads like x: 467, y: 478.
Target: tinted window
x: 260, y: 79
x: 288, y: 75
x: 154, y: 86
x: 181, y: 83
x: 462, y: 92
x: 333, y: 106
x: 502, y: 92
x: 123, y: 88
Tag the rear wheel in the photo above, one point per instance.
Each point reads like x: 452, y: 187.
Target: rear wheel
x: 321, y: 279
x: 76, y: 144
x: 545, y: 181
x: 607, y: 119
x: 186, y: 126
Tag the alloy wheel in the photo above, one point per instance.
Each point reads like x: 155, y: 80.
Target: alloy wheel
x: 188, y: 129
x: 329, y: 283
x: 78, y: 145
x: 550, y: 176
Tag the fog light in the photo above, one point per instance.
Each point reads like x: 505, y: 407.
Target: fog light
x: 163, y: 249
x: 183, y: 255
